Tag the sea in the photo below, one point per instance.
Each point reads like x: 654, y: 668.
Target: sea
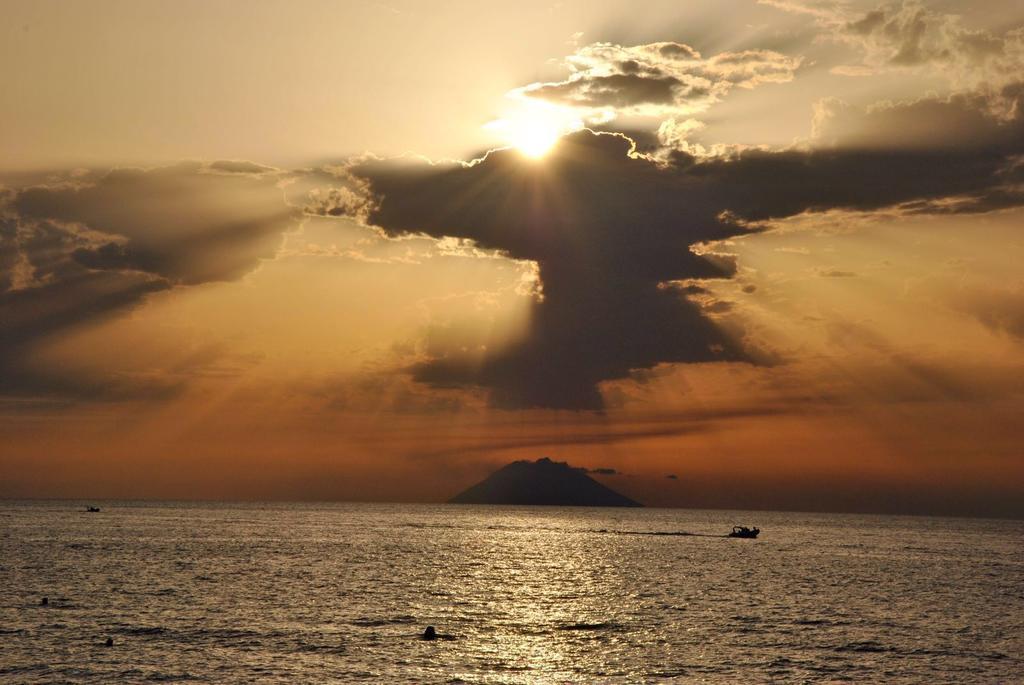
x: 341, y: 593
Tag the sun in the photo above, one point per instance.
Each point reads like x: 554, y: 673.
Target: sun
x: 533, y: 129
x: 534, y: 136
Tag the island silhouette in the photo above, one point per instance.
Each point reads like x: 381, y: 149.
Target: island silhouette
x: 542, y: 482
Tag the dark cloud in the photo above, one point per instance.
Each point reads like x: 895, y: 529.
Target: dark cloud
x: 44, y: 291
x: 988, y: 201
x: 968, y: 120
x: 907, y: 34
x: 77, y: 251
x: 677, y: 51
x: 182, y: 222
x: 10, y: 255
x: 79, y: 295
x: 237, y: 166
x: 868, y: 23
x: 618, y: 90
x: 608, y: 229
x: 659, y: 77
x: 759, y: 185
x: 59, y: 295
x: 604, y: 228
x: 328, y: 201
x: 749, y: 68
x: 910, y: 34
x: 630, y: 66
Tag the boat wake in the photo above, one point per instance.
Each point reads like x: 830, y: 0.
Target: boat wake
x: 673, y: 533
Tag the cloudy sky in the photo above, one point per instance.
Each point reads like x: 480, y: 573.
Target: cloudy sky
x: 373, y: 250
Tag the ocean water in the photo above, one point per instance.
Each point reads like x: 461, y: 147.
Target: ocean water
x: 295, y: 593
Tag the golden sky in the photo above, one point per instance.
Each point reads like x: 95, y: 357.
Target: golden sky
x: 373, y: 250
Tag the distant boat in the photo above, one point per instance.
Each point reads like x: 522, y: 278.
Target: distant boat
x: 94, y: 510
x: 744, y: 532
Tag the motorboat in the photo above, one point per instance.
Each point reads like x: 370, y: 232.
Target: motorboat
x: 93, y: 510
x: 744, y: 532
